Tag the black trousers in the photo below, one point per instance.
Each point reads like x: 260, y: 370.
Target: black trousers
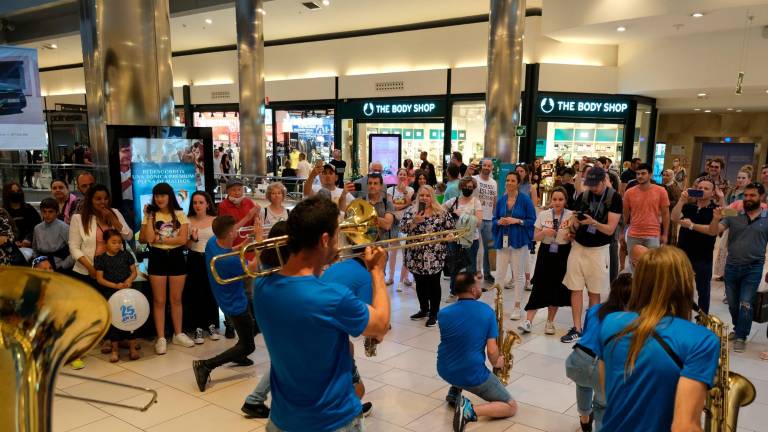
x: 243, y: 324
x: 429, y: 292
x: 200, y: 307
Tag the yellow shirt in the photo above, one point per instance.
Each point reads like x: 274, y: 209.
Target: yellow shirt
x: 166, y: 228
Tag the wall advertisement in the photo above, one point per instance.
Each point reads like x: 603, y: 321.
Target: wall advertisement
x: 22, y: 126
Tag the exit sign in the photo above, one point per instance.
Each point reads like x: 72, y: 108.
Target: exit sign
x: 520, y: 131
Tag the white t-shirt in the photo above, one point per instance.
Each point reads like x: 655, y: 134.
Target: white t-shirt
x: 303, y: 168
x: 217, y: 165
x: 544, y: 220
x: 271, y: 218
x: 466, y: 208
x: 335, y: 193
x: 487, y: 191
x: 398, y: 197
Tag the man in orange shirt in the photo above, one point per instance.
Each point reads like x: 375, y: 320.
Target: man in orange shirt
x: 646, y: 211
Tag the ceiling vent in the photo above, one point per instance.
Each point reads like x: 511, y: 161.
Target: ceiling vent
x: 311, y: 5
x: 389, y: 86
x: 220, y: 95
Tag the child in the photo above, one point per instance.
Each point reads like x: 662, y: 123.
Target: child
x: 51, y: 236
x: 581, y: 364
x: 116, y: 269
x: 42, y: 263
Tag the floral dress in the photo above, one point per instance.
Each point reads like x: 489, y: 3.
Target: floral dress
x: 427, y: 259
x: 8, y: 252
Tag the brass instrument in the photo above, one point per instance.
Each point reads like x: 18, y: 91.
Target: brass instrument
x: 506, y: 339
x: 731, y: 391
x: 45, y: 320
x: 360, y: 227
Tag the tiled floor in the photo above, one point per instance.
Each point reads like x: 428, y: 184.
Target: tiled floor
x: 401, y: 380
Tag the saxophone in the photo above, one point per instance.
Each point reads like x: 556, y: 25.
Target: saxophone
x: 506, y: 339
x: 731, y: 390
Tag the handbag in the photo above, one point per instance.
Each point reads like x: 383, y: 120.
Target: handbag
x: 760, y: 307
x: 456, y: 260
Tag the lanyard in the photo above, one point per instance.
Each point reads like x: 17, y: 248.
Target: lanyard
x: 555, y: 222
x: 594, y: 207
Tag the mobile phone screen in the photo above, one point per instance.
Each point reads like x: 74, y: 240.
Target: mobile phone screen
x: 695, y: 193
x: 422, y: 207
x: 358, y: 187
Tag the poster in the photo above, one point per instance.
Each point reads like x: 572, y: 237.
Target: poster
x: 22, y: 126
x: 386, y: 149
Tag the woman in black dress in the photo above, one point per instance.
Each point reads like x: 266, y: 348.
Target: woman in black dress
x: 551, y: 229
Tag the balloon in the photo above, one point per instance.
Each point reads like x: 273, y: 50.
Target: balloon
x: 129, y: 308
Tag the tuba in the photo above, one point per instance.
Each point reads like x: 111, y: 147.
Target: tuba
x: 45, y: 319
x: 731, y: 391
x: 506, y: 339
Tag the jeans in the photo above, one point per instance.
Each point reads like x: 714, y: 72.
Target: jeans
x: 702, y: 269
x: 486, y: 238
x: 259, y: 394
x: 515, y: 258
x: 243, y: 324
x: 741, y: 283
x: 650, y: 243
x: 356, y: 425
x: 491, y: 390
x: 472, y: 268
x: 428, y: 291
x: 582, y: 369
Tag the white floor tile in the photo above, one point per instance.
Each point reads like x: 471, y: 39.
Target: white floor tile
x: 411, y: 381
x: 171, y: 403
x: 542, y: 393
x: 207, y: 418
x: 398, y: 406
x: 416, y: 360
x: 69, y: 414
x: 110, y: 424
x: 171, y: 362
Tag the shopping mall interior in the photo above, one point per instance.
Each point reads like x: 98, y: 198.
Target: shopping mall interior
x: 211, y: 94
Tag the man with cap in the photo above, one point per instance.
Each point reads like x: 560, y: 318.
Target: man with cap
x: 243, y: 209
x: 341, y: 197
x: 597, y: 212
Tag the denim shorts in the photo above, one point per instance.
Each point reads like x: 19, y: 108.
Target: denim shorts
x: 492, y: 390
x: 356, y: 425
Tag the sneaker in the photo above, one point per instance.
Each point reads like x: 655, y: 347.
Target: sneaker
x: 198, y: 336
x: 489, y: 279
x: 453, y: 393
x: 739, y: 345
x: 509, y: 285
x: 202, y: 374
x: 257, y: 410
x: 549, y: 328
x: 731, y: 336
x: 528, y: 286
x: 160, y: 346
x: 420, y: 315
x: 463, y: 414
x: 367, y: 409
x: 431, y: 322
x: 725, y: 300
x: 77, y: 364
x: 408, y: 282
x: 213, y: 332
x: 183, y: 340
x: 517, y: 314
x: 245, y: 361
x: 389, y: 282
x: 587, y: 427
x: 571, y: 336
x: 525, y: 327
x: 451, y: 298
x: 229, y: 331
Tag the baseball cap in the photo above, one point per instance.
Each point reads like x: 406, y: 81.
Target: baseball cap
x: 595, y: 176
x: 234, y: 181
x: 330, y: 167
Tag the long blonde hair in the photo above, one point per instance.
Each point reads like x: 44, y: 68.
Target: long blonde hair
x: 436, y: 207
x: 662, y: 285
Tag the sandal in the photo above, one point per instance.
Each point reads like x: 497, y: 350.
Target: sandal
x: 764, y: 355
x: 389, y: 282
x: 134, y: 355
x: 106, y: 347
x: 114, y: 358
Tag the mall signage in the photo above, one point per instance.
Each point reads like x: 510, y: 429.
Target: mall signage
x: 559, y: 106
x: 395, y: 109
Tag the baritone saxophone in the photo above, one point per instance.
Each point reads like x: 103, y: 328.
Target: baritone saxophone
x: 506, y: 339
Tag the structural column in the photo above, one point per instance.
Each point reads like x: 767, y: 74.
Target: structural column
x: 250, y: 55
x: 505, y: 71
x: 127, y: 62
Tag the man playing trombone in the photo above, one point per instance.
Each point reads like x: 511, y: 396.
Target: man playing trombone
x: 307, y: 323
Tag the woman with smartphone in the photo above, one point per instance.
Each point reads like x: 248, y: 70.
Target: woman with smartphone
x: 166, y: 229
x: 426, y: 215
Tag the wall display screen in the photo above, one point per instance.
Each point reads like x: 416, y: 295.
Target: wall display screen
x: 22, y: 126
x: 658, y: 161
x: 146, y: 156
x: 385, y: 148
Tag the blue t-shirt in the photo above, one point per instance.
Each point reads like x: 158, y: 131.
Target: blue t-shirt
x: 230, y: 297
x: 306, y: 325
x: 465, y: 328
x: 652, y: 385
x: 352, y: 274
x: 591, y: 330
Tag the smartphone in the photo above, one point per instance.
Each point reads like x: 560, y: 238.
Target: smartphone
x: 730, y: 212
x: 422, y: 207
x: 695, y: 193
x: 580, y: 216
x: 358, y: 187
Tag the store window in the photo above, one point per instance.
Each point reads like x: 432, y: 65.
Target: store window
x: 303, y: 131
x: 468, y: 134
x: 574, y: 140
x: 226, y: 133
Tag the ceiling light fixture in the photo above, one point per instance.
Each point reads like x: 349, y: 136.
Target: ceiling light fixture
x: 208, y: 21
x: 54, y: 46
x: 621, y: 29
x: 738, y: 110
x: 697, y: 109
x: 261, y: 11
x: 707, y: 111
x: 697, y: 14
x: 702, y: 95
x: 729, y: 109
x: 326, y: 2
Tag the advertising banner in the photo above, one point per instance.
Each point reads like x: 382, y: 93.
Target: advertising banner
x: 386, y: 149
x: 22, y: 126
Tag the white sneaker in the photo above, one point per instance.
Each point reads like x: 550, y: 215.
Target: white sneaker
x: 517, y: 314
x: 183, y: 340
x: 549, y: 328
x: 160, y: 346
x: 198, y: 336
x: 213, y: 332
x: 525, y: 327
x: 510, y: 284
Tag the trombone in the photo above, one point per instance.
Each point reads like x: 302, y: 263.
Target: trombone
x: 360, y: 227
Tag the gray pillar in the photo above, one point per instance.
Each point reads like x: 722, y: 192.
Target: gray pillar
x: 250, y: 56
x: 127, y: 62
x: 505, y: 71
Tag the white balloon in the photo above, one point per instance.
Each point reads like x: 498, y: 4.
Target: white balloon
x: 129, y: 308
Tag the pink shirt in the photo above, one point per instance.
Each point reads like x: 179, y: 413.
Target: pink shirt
x: 645, y: 208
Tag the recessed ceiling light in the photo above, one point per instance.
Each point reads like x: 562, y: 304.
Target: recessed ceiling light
x: 701, y: 95
x: 647, y: 112
x: 697, y: 109
x: 261, y: 11
x: 54, y: 46
x: 729, y: 109
x: 707, y: 110
x: 697, y: 14
x: 326, y: 2
x: 621, y: 29
x: 208, y: 21
x: 738, y: 110
x: 766, y: 91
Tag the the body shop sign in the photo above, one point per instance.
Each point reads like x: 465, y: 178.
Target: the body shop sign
x: 558, y: 106
x: 394, y: 109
